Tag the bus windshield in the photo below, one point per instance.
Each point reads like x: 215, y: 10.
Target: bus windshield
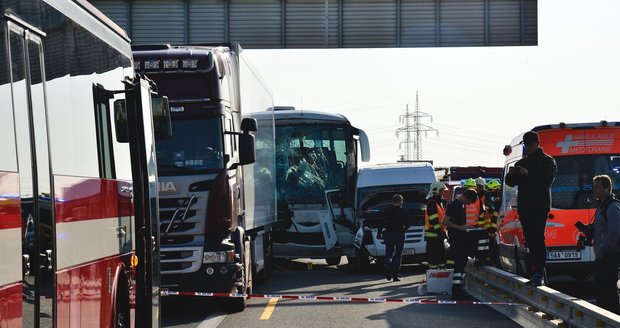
x: 572, y: 188
x: 311, y: 159
x: 196, y: 147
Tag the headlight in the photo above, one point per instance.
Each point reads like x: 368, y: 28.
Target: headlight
x: 218, y: 257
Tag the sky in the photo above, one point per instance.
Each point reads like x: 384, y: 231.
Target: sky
x: 479, y: 98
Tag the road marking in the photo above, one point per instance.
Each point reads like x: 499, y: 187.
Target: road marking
x: 269, y: 309
x: 212, y: 320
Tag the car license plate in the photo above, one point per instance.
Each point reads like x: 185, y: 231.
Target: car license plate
x: 564, y: 255
x: 408, y: 252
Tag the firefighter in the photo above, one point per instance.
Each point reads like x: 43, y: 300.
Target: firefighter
x: 471, y: 215
x: 434, y: 233
x: 492, y: 202
x: 476, y: 220
x: 455, y: 221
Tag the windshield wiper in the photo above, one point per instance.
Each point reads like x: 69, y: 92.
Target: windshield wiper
x: 187, y: 205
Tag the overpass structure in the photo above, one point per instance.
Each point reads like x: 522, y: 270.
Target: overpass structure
x: 274, y: 24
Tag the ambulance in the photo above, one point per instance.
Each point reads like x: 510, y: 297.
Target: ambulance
x: 581, y: 151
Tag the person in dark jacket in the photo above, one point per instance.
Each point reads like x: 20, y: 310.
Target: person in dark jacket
x: 460, y: 242
x: 606, y: 246
x: 397, y: 221
x: 534, y: 175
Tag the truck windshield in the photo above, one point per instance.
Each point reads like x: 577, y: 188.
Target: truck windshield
x: 312, y: 158
x: 572, y: 188
x: 196, y: 147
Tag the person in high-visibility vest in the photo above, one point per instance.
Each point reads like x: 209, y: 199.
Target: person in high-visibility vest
x: 475, y: 220
x: 455, y: 221
x: 492, y: 203
x: 434, y: 234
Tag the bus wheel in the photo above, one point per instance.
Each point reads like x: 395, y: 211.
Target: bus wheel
x: 265, y: 274
x: 121, y: 315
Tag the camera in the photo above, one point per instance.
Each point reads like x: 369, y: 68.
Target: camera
x: 586, y: 235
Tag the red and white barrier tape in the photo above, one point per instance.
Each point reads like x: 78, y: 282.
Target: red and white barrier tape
x: 334, y: 298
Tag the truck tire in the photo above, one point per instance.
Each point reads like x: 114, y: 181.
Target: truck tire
x: 238, y: 304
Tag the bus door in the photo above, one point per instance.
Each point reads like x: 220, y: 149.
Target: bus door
x: 35, y: 182
x: 142, y: 123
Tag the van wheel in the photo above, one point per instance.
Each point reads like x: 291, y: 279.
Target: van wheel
x: 361, y: 261
x: 520, y: 262
x: 333, y: 260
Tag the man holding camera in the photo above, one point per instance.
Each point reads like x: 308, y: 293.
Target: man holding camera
x: 534, y: 174
x: 606, y: 246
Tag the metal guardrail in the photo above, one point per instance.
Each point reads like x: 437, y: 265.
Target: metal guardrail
x: 542, y: 306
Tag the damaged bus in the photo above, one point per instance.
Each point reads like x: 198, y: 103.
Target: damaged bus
x: 316, y: 154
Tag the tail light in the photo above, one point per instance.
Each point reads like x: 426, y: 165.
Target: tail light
x: 219, y: 206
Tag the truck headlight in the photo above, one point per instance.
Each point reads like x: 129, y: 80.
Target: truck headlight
x: 218, y: 257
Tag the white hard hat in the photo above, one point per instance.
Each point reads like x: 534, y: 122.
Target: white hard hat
x: 435, y: 189
x: 481, y: 181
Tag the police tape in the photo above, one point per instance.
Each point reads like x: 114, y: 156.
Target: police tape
x: 335, y: 298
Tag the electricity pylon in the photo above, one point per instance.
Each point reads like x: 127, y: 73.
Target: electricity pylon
x: 416, y: 128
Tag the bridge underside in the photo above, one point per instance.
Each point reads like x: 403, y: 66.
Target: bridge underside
x: 328, y: 23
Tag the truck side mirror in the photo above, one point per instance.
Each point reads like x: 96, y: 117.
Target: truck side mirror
x: 247, y: 148
x: 120, y: 121
x: 162, y: 122
x: 248, y: 124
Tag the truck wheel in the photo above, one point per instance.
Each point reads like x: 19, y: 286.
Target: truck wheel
x: 333, y: 260
x: 238, y: 304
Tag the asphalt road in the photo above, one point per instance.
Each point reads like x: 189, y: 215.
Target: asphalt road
x: 294, y: 278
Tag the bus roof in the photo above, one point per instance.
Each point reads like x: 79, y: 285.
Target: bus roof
x: 306, y: 115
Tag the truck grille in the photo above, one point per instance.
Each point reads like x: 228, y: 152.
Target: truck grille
x: 183, y: 246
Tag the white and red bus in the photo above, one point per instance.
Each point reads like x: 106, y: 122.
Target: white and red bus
x: 78, y: 193
x: 581, y: 151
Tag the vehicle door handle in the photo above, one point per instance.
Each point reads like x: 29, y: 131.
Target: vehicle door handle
x: 26, y: 264
x: 121, y: 231
x: 47, y: 260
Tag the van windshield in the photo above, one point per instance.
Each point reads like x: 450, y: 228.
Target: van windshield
x: 373, y: 200
x: 572, y: 188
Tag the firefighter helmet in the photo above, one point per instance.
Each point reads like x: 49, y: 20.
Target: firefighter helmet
x: 493, y: 185
x: 469, y: 183
x: 436, y: 188
x: 480, y: 181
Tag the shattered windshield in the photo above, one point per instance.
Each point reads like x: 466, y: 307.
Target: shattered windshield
x: 311, y: 159
x: 195, y: 147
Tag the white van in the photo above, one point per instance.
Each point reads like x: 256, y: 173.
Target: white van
x: 375, y: 188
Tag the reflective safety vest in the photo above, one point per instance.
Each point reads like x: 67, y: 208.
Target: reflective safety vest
x: 472, y: 214
x: 432, y: 223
